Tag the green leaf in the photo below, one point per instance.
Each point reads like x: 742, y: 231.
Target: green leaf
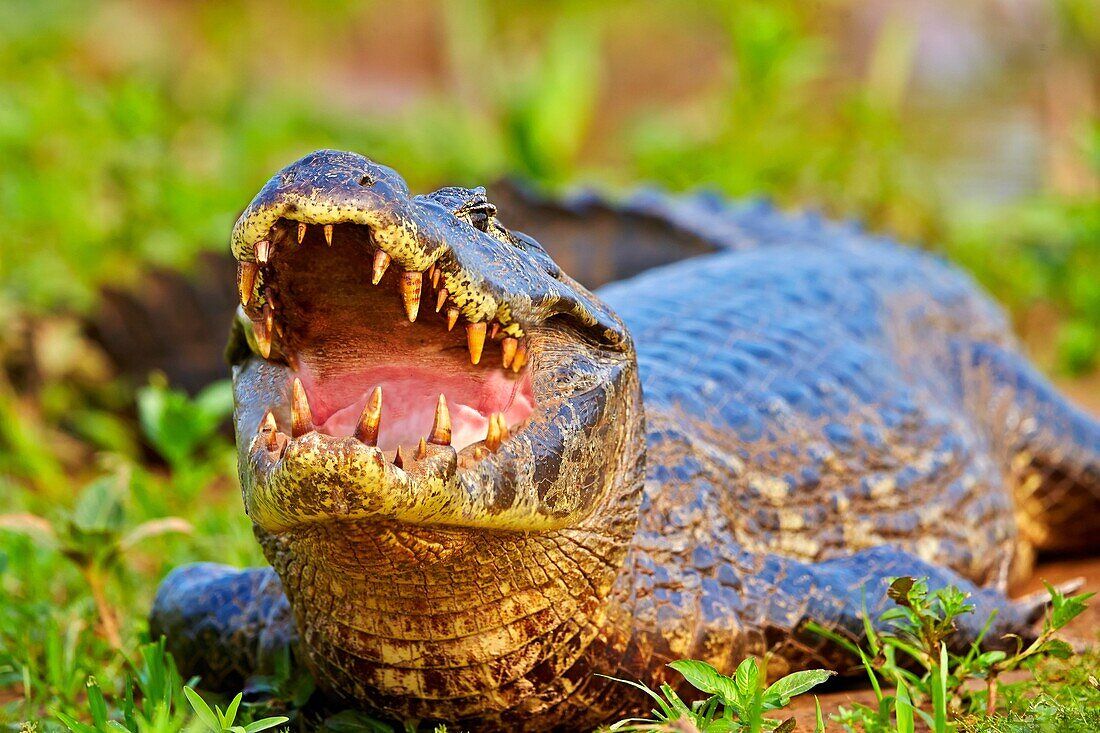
x: 1065, y: 609
x: 177, y: 425
x: 215, y: 401
x: 231, y: 711
x: 265, y: 723
x: 1057, y: 648
x: 819, y: 719
x: 639, y: 686
x: 893, y: 614
x: 899, y: 590
x: 202, y: 710
x: 903, y: 709
x: 988, y: 659
x: 747, y: 680
x: 703, y: 676
x: 795, y: 684
x: 73, y: 724
x: 680, y: 709
x: 939, y: 692
x: 723, y: 725
x: 98, y: 507
x: 787, y: 726
x: 97, y: 704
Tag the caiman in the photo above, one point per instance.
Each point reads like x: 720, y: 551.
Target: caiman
x: 482, y: 487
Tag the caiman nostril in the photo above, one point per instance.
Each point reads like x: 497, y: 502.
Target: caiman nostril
x: 365, y: 181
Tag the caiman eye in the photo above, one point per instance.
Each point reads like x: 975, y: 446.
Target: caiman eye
x: 480, y: 220
x: 480, y: 215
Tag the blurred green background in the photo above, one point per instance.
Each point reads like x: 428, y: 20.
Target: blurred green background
x: 132, y: 133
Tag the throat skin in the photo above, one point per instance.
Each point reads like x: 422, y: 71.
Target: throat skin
x: 453, y: 624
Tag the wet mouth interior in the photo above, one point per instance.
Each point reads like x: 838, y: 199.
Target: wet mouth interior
x: 374, y: 347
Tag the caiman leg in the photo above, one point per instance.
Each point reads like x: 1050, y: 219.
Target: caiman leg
x: 767, y: 600
x: 224, y: 624
x: 1053, y: 450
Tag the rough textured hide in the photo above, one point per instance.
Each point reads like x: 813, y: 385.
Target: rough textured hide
x: 819, y: 410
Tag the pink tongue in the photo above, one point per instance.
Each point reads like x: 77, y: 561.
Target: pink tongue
x: 409, y: 397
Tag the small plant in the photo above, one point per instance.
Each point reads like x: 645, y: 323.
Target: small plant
x: 184, y: 430
x: 218, y: 721
x: 157, y: 683
x: 917, y: 629
x: 736, y: 703
x: 151, y: 702
x: 94, y: 536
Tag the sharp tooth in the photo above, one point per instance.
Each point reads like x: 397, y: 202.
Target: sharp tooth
x: 521, y: 358
x: 269, y: 316
x: 328, y: 234
x: 301, y: 231
x: 268, y: 429
x: 436, y: 273
x: 493, y: 331
x: 367, y: 429
x: 492, y: 435
x: 421, y: 450
x: 399, y: 459
x: 441, y: 299
x: 441, y: 427
x: 246, y: 280
x: 263, y: 251
x: 381, y: 262
x: 475, y: 340
x: 452, y: 318
x: 431, y: 274
x: 508, y: 349
x: 411, y: 285
x: 502, y: 425
x: 262, y: 331
x: 301, y: 419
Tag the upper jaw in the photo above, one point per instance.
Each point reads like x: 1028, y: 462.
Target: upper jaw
x: 489, y: 274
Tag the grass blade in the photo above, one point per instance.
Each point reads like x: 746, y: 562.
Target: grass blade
x: 939, y: 692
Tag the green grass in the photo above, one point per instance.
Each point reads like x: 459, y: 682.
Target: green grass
x: 914, y: 676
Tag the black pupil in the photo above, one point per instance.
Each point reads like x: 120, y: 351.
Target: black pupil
x: 480, y: 219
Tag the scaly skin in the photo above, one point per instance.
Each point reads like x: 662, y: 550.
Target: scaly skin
x: 822, y: 411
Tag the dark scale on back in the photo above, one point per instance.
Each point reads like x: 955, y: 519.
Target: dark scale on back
x: 479, y: 484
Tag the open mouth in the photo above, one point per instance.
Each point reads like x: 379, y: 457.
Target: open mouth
x: 378, y: 353
x: 409, y: 359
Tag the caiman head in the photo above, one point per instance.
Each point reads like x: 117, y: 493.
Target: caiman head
x: 440, y: 441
